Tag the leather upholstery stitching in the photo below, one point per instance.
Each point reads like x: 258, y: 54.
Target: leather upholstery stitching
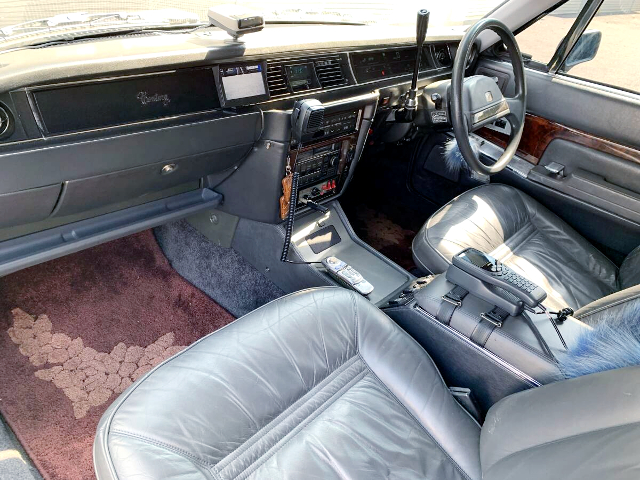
x: 560, y: 440
x: 534, y: 212
x: 123, y: 398
x: 486, y: 355
x: 293, y: 433
x: 428, y: 223
x: 607, y: 306
x: 497, y: 332
x: 329, y: 379
x: 402, y: 405
x: 178, y: 451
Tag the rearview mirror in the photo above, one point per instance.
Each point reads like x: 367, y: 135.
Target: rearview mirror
x: 584, y: 50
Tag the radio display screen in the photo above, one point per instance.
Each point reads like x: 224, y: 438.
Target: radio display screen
x: 301, y: 76
x: 242, y: 81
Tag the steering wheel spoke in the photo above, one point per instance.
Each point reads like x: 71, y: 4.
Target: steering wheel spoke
x: 516, y: 112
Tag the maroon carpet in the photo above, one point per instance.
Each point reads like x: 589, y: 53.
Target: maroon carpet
x: 76, y: 331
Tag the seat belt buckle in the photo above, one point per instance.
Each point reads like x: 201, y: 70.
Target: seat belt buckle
x: 453, y: 301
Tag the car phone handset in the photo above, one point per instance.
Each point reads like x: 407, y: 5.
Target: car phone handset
x: 487, y: 278
x: 408, y: 112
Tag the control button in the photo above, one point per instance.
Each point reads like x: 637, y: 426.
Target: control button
x: 436, y: 98
x: 333, y: 183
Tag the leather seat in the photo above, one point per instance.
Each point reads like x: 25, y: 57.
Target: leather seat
x: 321, y: 384
x: 517, y: 230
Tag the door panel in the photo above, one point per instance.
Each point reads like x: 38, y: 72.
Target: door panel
x: 591, y: 131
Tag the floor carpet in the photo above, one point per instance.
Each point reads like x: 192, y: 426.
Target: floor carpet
x: 383, y: 233
x: 76, y: 331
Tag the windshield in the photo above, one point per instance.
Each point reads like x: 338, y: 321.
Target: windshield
x: 385, y: 12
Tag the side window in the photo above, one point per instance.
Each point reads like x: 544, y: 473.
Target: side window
x: 615, y: 61
x: 541, y: 39
x: 606, y: 52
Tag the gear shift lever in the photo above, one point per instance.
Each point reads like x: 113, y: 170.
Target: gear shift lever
x: 408, y: 112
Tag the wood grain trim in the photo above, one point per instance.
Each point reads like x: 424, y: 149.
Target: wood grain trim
x: 539, y: 132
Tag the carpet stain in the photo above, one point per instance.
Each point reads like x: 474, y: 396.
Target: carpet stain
x: 88, y: 378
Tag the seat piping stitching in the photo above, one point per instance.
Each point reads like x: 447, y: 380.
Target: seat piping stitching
x: 321, y: 408
x: 608, y: 305
x: 226, y: 461
x: 446, y: 454
x: 178, y: 451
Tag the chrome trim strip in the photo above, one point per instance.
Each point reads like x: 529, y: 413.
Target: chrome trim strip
x: 519, y: 373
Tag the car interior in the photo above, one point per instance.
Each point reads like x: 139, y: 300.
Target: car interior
x: 367, y: 241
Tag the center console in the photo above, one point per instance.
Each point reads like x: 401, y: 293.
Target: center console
x: 485, y: 329
x: 325, y: 157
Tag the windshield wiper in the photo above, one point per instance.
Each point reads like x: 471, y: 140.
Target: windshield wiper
x: 61, y: 28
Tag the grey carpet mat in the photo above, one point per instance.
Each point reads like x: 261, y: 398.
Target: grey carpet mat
x: 220, y: 272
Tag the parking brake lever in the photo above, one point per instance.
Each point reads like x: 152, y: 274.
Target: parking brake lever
x: 408, y: 112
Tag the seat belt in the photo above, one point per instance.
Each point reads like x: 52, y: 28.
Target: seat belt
x: 451, y: 301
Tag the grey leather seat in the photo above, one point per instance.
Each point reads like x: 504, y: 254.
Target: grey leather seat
x: 517, y: 230
x: 321, y: 384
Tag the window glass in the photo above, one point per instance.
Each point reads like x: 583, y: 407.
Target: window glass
x: 541, y: 39
x: 616, y: 62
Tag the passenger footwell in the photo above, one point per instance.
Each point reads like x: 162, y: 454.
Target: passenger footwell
x: 75, y: 332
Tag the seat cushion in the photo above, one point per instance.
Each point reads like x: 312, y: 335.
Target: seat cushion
x: 517, y: 230
x: 318, y: 384
x: 587, y: 428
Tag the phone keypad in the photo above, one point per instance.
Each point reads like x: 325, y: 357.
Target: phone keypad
x: 515, y: 279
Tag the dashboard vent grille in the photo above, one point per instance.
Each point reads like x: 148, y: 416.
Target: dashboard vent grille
x: 276, y: 80
x: 329, y: 72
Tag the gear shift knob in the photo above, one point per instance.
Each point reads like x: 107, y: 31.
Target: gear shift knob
x: 421, y: 31
x: 422, y: 25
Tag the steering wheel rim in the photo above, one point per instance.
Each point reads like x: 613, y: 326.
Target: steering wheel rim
x: 517, y: 103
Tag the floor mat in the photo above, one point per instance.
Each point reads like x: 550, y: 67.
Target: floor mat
x: 76, y: 331
x: 220, y: 272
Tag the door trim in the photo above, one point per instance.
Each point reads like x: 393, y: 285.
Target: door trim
x: 539, y: 132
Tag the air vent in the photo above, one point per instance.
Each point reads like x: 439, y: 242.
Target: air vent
x: 329, y: 72
x: 442, y: 55
x: 6, y: 122
x: 276, y: 80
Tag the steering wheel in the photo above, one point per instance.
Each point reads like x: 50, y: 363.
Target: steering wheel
x: 477, y: 100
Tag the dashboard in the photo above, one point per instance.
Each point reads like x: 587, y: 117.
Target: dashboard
x: 90, y: 130
x: 64, y: 108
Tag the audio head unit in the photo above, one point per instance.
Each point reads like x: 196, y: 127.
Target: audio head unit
x: 241, y: 83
